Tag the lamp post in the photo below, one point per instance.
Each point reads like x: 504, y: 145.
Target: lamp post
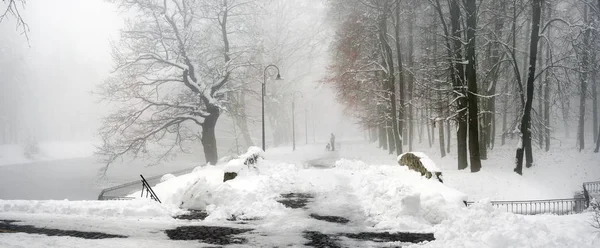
x: 293, y: 120
x: 306, y: 125
x: 312, y: 109
x: 263, y: 100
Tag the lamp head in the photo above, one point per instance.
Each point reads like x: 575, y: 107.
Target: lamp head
x: 278, y: 77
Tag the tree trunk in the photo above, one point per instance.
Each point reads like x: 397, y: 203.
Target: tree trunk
x: 411, y: 78
x: 429, y: 134
x: 391, y: 140
x: 540, y: 90
x: 442, y: 145
x: 471, y: 11
x: 458, y: 84
x: 585, y: 63
x: 389, y: 81
x: 597, y: 143
x: 526, y: 121
x: 594, y: 105
x: 547, y: 84
x: 504, y: 116
x: 209, y: 140
x: 381, y: 127
x: 401, y: 105
x: 382, y: 136
x: 420, y: 124
x: 449, y: 133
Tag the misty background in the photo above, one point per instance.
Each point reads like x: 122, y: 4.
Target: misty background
x: 49, y: 81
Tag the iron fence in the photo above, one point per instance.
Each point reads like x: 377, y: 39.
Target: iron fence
x: 592, y: 187
x: 551, y: 206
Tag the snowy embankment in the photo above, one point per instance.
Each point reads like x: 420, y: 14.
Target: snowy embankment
x: 138, y: 208
x: 55, y: 150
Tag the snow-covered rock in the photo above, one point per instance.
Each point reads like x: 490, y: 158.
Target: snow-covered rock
x: 166, y: 177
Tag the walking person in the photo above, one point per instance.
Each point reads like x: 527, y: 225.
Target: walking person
x: 332, y: 141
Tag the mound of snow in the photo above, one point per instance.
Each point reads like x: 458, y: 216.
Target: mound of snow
x: 394, y: 197
x: 387, y: 196
x: 166, y: 177
x: 239, y: 165
x: 483, y: 226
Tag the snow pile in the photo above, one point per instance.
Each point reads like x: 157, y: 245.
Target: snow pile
x: 133, y: 208
x: 394, y: 197
x: 166, y: 177
x: 388, y: 197
x: 245, y: 163
x: 250, y: 195
x: 483, y: 226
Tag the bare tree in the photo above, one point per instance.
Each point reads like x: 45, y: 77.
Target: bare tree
x: 525, y: 146
x: 471, y: 75
x: 172, y: 72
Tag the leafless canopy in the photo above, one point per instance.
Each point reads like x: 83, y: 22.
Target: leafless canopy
x: 12, y: 9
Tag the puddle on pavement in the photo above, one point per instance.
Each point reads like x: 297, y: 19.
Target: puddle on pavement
x: 329, y: 218
x: 215, y: 235
x: 295, y: 200
x: 318, y: 239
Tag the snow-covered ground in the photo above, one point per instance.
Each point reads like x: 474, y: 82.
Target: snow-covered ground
x: 359, y: 182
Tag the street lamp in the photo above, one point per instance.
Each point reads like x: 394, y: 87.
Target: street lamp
x: 263, y: 100
x: 305, y: 126
x: 293, y: 120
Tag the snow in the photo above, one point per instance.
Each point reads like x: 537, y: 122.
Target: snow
x: 166, y: 177
x: 133, y: 208
x: 20, y: 240
x: 359, y: 182
x: 483, y: 226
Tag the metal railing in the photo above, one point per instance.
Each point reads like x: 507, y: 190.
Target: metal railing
x: 591, y: 187
x: 551, y: 206
x: 120, y: 192
x: 149, y: 191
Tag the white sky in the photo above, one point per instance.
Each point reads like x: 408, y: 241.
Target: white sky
x: 69, y: 55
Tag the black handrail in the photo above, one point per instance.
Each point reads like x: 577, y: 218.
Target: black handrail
x: 149, y: 190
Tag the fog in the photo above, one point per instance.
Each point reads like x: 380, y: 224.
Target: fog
x: 68, y: 55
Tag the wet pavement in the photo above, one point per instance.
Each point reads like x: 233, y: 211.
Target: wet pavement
x: 216, y: 235
x: 10, y: 226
